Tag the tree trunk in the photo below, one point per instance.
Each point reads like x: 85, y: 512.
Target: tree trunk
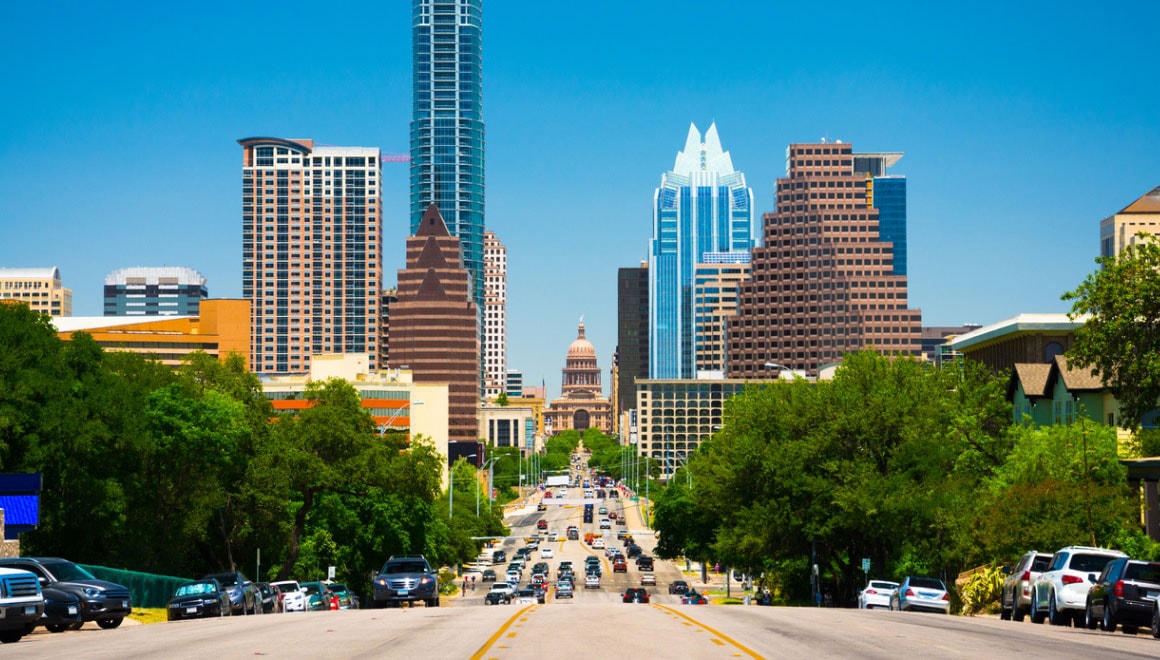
x: 293, y: 545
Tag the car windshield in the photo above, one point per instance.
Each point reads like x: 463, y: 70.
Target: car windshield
x: 66, y: 571
x: 927, y: 583
x: 883, y: 585
x: 287, y: 586
x: 196, y: 589
x: 405, y: 567
x: 338, y: 588
x: 311, y: 589
x: 1089, y: 563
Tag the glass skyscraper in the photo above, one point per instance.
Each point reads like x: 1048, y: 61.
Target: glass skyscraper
x: 447, y: 124
x: 887, y: 193
x: 702, y: 213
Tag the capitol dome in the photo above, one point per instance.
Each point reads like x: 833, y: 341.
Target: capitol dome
x: 581, y: 348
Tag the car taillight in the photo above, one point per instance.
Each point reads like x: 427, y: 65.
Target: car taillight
x: 871, y: 591
x: 1118, y: 589
x: 910, y: 593
x: 1026, y: 576
x: 946, y: 596
x: 1072, y: 579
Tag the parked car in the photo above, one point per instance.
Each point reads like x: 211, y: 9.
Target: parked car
x: 198, y: 600
x: 635, y: 595
x: 678, y: 587
x: 267, y: 597
x: 62, y: 610
x: 243, y: 595
x: 107, y: 603
x: 317, y: 596
x: 1015, y: 599
x: 876, y: 594
x: 347, y: 599
x: 691, y: 597
x: 1124, y: 593
x: 1059, y: 594
x: 921, y: 594
x: 291, y: 595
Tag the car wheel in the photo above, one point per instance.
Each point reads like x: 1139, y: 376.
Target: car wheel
x: 56, y: 627
x: 1004, y: 614
x: 1054, y: 615
x: 11, y: 636
x: 1109, y: 621
x: 1130, y: 630
x: 1089, y: 618
x: 1036, y: 615
x: 76, y: 626
x: 1155, y: 620
x: 1018, y: 613
x: 109, y: 623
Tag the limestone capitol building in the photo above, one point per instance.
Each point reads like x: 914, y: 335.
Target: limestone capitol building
x: 581, y: 404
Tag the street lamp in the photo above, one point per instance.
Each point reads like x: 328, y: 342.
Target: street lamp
x: 451, y: 487
x: 489, y: 463
x: 391, y: 420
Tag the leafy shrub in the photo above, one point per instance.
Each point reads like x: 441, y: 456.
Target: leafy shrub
x: 981, y: 590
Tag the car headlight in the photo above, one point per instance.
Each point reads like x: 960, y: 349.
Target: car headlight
x: 382, y: 582
x: 92, y: 592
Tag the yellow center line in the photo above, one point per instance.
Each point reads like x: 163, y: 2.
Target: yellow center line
x: 718, y: 633
x: 499, y: 633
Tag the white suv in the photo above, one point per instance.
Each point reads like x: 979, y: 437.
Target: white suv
x: 1060, y: 592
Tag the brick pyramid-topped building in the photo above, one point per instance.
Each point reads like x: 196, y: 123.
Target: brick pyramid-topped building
x: 435, y: 325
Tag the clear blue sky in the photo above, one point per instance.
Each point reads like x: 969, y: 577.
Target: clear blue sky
x: 1023, y: 125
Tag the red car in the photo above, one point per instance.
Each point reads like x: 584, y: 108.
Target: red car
x: 635, y: 595
x: 543, y: 524
x: 619, y: 565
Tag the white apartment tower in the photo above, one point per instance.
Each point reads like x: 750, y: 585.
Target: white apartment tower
x: 494, y: 316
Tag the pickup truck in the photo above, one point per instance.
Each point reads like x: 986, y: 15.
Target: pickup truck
x: 21, y: 604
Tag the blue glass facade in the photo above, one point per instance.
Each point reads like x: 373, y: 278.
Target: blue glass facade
x: 447, y: 137
x: 701, y: 210
x: 890, y: 200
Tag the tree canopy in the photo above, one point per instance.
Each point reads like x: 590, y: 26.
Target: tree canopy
x: 1120, y: 341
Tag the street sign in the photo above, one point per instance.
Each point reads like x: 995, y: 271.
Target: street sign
x: 329, y: 572
x: 865, y: 564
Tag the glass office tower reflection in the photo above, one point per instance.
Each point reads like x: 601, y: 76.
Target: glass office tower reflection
x: 702, y: 213
x: 447, y: 124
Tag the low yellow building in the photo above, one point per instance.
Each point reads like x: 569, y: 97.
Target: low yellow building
x: 222, y: 327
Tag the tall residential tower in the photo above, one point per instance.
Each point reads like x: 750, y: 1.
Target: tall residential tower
x: 495, y: 371
x: 311, y: 251
x: 447, y: 124
x: 702, y: 213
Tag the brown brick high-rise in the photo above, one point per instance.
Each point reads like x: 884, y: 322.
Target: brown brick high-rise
x: 434, y: 325
x: 821, y: 285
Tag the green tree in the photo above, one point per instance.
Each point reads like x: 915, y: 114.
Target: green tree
x: 502, y: 399
x: 1120, y: 341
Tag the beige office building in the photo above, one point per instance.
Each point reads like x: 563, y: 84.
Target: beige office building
x: 494, y: 316
x: 39, y: 288
x: 1122, y: 229
x: 716, y: 287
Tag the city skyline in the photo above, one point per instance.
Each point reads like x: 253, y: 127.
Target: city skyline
x: 1023, y: 127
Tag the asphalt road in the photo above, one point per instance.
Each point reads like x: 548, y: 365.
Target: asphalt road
x: 594, y: 624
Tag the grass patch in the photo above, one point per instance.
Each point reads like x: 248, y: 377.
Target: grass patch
x: 149, y: 614
x: 727, y: 601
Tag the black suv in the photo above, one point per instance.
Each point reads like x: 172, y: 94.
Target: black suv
x: 1123, y: 593
x: 406, y: 579
x: 104, y: 602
